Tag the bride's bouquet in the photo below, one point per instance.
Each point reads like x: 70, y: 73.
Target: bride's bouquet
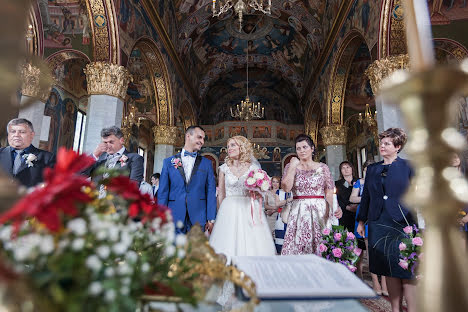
x: 258, y: 181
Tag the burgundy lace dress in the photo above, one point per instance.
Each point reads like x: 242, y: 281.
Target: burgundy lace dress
x: 306, y: 219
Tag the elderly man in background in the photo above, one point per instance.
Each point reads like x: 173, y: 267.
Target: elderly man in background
x: 21, y: 160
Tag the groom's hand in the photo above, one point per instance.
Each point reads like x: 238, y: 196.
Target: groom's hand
x: 209, y: 226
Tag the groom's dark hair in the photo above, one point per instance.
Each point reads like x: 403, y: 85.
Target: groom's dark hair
x: 191, y: 128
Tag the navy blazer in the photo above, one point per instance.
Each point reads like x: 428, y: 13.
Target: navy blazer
x: 27, y: 176
x: 197, y: 197
x: 396, y: 183
x: 134, y: 166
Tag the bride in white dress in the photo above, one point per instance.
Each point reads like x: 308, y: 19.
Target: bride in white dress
x: 240, y: 228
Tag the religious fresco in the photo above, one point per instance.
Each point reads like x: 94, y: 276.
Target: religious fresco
x: 71, y: 77
x: 262, y: 132
x: 61, y: 108
x: 219, y: 133
x: 237, y: 130
x: 166, y: 11
x: 358, y: 89
x: 445, y: 12
x: 66, y: 25
x: 140, y: 91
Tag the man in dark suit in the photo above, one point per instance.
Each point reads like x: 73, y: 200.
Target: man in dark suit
x: 155, y: 182
x: 21, y: 160
x: 112, y: 154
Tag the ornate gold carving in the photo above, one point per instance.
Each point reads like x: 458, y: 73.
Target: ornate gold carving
x: 98, y: 21
x: 382, y: 68
x: 397, y: 30
x: 385, y: 22
x: 35, y: 84
x: 165, y: 134
x: 334, y: 135
x: 109, y: 79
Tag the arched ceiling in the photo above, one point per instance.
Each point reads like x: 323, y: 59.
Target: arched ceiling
x: 283, y: 51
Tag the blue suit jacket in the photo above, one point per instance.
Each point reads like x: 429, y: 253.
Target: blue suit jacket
x: 197, y: 197
x: 397, y: 182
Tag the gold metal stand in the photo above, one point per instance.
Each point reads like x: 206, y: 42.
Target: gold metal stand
x: 437, y: 190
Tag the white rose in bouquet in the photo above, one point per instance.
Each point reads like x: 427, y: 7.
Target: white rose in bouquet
x: 259, y: 175
x: 251, y: 181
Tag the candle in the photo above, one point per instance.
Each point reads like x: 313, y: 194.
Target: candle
x: 418, y: 34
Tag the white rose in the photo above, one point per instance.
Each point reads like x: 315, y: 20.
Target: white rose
x: 119, y: 248
x: 101, y: 235
x: 77, y: 226
x: 109, y: 272
x: 131, y: 256
x: 125, y: 290
x: 47, y: 245
x: 145, y: 267
x: 124, y: 269
x: 170, y: 251
x: 265, y: 186
x: 251, y: 181
x: 259, y: 175
x: 5, y: 233
x: 126, y: 281
x: 109, y: 295
x: 93, y: 263
x: 78, y: 244
x: 113, y: 234
x: 95, y: 288
x: 156, y: 223
x: 103, y: 252
x: 180, y: 240
x: 22, y: 253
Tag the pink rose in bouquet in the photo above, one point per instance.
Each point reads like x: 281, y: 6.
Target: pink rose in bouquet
x: 337, y: 236
x: 408, y: 229
x: 403, y: 264
x: 322, y: 248
x: 418, y: 241
x: 350, y: 236
x: 337, y: 252
x: 326, y: 231
x: 402, y: 246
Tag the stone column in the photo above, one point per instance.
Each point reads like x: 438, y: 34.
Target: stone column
x: 107, y: 87
x: 334, y: 139
x: 388, y: 114
x: 33, y: 98
x: 165, y: 138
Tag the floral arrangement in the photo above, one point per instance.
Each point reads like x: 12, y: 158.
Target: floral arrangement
x: 29, y: 158
x: 410, y: 249
x: 176, y: 162
x: 88, y: 253
x: 123, y: 160
x: 258, y: 180
x: 339, y: 245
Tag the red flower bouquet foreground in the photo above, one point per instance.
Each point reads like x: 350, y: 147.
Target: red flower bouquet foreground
x: 87, y: 253
x: 339, y: 245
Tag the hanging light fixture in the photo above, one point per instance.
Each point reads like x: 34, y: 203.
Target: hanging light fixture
x: 248, y: 110
x: 240, y: 8
x: 369, y: 118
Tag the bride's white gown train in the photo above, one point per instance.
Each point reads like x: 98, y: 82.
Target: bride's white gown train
x: 240, y: 228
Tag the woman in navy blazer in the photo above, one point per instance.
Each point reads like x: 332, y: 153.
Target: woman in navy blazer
x: 385, y: 184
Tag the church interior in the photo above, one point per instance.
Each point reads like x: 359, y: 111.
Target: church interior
x: 312, y: 67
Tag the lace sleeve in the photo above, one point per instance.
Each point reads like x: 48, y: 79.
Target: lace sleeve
x: 328, y: 183
x: 222, y: 168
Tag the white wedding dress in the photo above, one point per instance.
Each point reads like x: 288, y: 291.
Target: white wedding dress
x: 240, y: 229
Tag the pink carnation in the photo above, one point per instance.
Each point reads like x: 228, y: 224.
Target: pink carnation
x: 403, y: 264
x: 337, y: 236
x: 418, y: 241
x: 352, y: 268
x: 402, y: 246
x: 357, y: 251
x: 326, y: 231
x: 337, y: 252
x: 322, y: 248
x: 350, y: 236
x: 408, y: 229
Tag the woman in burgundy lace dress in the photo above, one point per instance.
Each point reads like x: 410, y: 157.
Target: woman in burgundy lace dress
x: 312, y: 187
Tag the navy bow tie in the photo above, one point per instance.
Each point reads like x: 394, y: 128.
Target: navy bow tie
x: 194, y: 154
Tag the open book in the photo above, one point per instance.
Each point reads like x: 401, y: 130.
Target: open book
x: 302, y: 277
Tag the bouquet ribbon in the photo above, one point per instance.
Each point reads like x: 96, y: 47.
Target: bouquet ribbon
x: 252, y: 204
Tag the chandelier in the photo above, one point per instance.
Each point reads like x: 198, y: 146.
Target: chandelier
x: 247, y: 109
x: 260, y: 152
x: 368, y: 118
x: 240, y: 8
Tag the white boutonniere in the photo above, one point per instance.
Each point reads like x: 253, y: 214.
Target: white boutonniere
x: 123, y: 160
x: 29, y: 158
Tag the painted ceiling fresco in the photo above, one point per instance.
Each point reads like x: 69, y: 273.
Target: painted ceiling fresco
x: 283, y: 48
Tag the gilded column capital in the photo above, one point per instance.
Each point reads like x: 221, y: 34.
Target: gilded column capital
x: 108, y: 79
x: 33, y: 83
x: 381, y: 69
x: 334, y: 135
x: 165, y: 134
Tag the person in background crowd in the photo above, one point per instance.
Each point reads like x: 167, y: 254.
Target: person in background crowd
x: 312, y: 186
x: 21, y: 160
x: 344, y: 186
x: 380, y: 289
x: 111, y: 153
x: 382, y: 208
x: 275, y: 200
x: 155, y: 185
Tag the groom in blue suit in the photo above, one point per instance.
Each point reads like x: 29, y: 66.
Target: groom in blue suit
x: 187, y: 184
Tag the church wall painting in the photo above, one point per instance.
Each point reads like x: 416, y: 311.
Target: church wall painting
x: 237, y: 130
x: 444, y: 12
x: 66, y: 25
x: 71, y: 77
x: 219, y: 133
x: 262, y: 132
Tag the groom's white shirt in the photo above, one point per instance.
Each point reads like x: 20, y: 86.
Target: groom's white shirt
x: 188, y: 163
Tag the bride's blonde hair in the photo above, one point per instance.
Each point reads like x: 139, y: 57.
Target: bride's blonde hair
x: 245, y: 150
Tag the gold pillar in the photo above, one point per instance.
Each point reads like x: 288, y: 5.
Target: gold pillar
x: 107, y: 79
x: 165, y: 135
x: 333, y: 135
x: 34, y: 82
x: 381, y: 69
